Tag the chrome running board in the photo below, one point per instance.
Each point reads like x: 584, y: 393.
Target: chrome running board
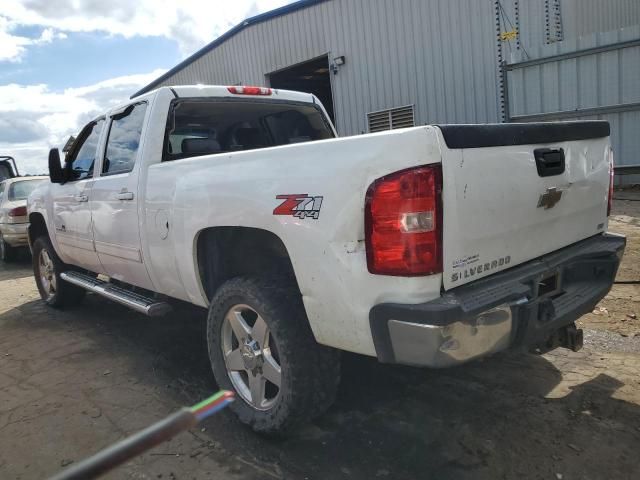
x: 139, y: 303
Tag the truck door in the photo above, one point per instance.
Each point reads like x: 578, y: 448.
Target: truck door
x: 114, y: 199
x: 71, y: 210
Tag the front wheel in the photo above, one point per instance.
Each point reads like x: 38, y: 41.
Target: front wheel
x: 47, y: 268
x: 261, y: 347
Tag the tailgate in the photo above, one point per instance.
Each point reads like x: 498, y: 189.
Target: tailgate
x: 514, y: 192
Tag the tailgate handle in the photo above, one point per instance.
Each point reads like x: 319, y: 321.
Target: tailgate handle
x: 549, y: 161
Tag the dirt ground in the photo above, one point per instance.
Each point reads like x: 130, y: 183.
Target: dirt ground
x: 73, y: 382
x: 619, y: 311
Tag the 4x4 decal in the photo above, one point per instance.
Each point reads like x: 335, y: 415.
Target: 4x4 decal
x: 299, y: 205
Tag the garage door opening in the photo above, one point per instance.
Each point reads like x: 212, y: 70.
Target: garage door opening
x: 312, y: 77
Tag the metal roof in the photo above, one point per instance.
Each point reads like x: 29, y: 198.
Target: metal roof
x: 263, y: 17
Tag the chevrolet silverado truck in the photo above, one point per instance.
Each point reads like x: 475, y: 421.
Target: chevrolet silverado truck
x: 427, y: 246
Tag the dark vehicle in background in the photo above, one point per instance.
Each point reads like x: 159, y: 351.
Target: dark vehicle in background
x: 8, y: 167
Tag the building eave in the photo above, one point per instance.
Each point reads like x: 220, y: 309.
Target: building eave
x: 263, y: 17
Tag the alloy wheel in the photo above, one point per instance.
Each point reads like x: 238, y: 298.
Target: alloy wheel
x: 251, y: 357
x: 47, y: 273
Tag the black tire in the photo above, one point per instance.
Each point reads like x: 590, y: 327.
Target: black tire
x: 64, y: 294
x: 7, y: 252
x: 310, y: 372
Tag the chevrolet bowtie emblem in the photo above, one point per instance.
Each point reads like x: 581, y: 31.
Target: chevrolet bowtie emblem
x: 549, y: 198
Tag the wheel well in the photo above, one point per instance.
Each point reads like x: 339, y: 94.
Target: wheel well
x: 37, y: 227
x: 224, y: 253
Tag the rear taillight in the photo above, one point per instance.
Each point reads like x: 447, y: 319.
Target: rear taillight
x: 611, y: 177
x: 403, y: 223
x: 250, y: 90
x: 18, y: 212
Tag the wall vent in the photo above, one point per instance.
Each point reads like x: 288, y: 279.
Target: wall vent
x: 400, y: 117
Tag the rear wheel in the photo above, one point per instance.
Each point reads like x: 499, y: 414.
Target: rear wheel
x: 7, y: 252
x: 47, y: 268
x: 261, y: 347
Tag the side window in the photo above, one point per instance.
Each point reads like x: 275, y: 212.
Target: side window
x: 124, y: 140
x: 1, y: 191
x: 85, y: 156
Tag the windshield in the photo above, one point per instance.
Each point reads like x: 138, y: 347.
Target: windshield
x: 206, y: 126
x: 21, y: 190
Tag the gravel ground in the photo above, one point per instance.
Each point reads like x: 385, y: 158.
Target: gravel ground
x: 619, y: 311
x: 607, y: 341
x: 73, y: 382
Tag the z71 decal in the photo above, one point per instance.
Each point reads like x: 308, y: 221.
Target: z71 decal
x: 299, y: 205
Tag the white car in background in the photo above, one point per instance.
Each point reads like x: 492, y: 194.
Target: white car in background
x: 13, y: 214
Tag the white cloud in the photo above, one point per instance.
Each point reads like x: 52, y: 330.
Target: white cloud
x: 191, y: 23
x: 34, y: 119
x: 48, y: 35
x: 12, y: 47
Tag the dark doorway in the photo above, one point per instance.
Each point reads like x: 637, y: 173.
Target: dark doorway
x: 312, y: 77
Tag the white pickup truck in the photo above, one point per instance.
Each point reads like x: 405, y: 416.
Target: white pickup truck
x: 426, y: 246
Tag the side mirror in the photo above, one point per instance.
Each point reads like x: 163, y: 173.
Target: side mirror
x: 55, y: 167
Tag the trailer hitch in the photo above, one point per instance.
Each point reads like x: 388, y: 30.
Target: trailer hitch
x: 569, y: 337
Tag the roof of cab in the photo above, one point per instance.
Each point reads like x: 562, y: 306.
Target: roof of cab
x: 223, y: 91
x: 216, y: 91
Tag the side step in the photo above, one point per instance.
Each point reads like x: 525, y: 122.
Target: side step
x: 139, y: 303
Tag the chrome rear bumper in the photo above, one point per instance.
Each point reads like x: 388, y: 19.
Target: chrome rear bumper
x: 513, y: 308
x: 15, y: 234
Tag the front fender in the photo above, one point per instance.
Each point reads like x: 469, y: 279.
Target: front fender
x: 39, y: 203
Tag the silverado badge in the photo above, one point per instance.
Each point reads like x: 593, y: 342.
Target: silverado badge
x: 549, y: 198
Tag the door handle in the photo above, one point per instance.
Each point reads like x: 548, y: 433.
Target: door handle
x: 81, y: 198
x: 125, y: 196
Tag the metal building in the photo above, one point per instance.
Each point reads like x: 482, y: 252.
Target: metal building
x: 379, y: 64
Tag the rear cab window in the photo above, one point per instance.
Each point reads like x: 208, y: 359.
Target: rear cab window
x: 207, y: 126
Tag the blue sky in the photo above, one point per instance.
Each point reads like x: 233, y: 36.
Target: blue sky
x: 62, y: 62
x: 87, y: 58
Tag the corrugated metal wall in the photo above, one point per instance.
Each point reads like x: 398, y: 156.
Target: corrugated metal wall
x: 594, y: 80
x: 598, y: 85
x: 442, y: 57
x: 584, y: 17
x: 578, y: 18
x: 438, y: 55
